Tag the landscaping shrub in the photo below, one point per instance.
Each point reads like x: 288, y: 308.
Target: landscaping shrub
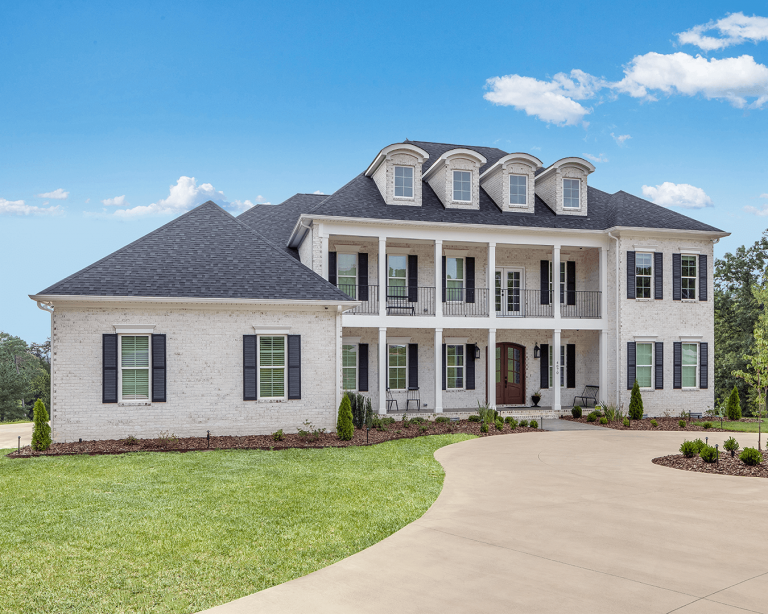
x: 131, y: 441
x: 610, y: 413
x: 442, y: 419
x: 591, y: 416
x: 499, y: 424
x: 278, y: 435
x: 731, y: 445
x: 474, y: 418
x: 751, y: 456
x: 424, y: 428
x: 681, y: 424
x: 345, y: 428
x: 376, y: 422
x: 486, y: 413
x: 361, y: 409
x: 688, y: 449
x: 636, y: 403
x: 733, y: 405
x: 603, y: 420
x: 707, y: 425
x: 417, y: 420
x: 576, y: 411
x: 388, y: 420
x: 626, y: 422
x: 41, y: 434
x: 708, y: 454
x: 484, y: 428
x: 511, y: 422
x: 699, y: 444
x: 523, y: 422
x: 167, y: 439
x: 533, y: 424
x: 654, y: 423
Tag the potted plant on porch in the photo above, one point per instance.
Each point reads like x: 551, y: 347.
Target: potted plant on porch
x: 536, y: 397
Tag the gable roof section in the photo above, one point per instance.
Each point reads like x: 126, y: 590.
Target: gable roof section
x: 205, y: 253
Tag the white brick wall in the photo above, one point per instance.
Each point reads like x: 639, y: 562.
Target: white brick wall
x: 550, y: 189
x: 497, y: 186
x: 441, y: 181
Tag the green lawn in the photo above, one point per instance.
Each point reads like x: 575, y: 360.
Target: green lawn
x: 740, y: 427
x: 16, y: 422
x: 171, y: 532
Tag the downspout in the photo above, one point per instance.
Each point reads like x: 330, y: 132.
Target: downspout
x: 49, y: 309
x: 618, y: 345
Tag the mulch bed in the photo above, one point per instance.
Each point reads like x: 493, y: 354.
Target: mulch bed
x: 265, y: 442
x: 665, y: 424
x: 726, y: 465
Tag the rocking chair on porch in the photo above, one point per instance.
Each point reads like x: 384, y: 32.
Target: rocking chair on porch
x: 589, y: 395
x: 413, y: 397
x: 390, y: 401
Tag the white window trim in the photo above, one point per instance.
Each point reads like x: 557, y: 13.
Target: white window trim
x: 134, y: 329
x: 653, y: 270
x: 258, y: 367
x: 453, y: 189
x: 563, y: 188
x: 357, y: 364
x: 389, y: 344
x: 695, y: 278
x: 389, y: 253
x: 463, y: 366
x: 463, y: 279
x: 697, y: 379
x: 357, y: 269
x: 652, y: 365
x: 120, y: 400
x: 413, y: 182
x: 509, y: 190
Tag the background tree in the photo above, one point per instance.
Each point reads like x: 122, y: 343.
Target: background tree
x: 24, y: 376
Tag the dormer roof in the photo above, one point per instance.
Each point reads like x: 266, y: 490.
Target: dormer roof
x: 382, y: 155
x: 457, y: 152
x: 513, y: 157
x: 581, y: 163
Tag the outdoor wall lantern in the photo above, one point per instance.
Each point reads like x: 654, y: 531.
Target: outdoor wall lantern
x: 536, y: 351
x: 477, y: 352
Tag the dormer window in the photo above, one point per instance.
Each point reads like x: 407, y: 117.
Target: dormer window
x: 571, y: 199
x: 403, y: 182
x: 462, y: 186
x: 518, y: 189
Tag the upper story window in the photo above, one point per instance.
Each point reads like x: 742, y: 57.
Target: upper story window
x: 518, y: 190
x: 349, y: 366
x: 396, y: 276
x: 571, y: 199
x: 404, y: 182
x: 643, y: 275
x: 462, y: 186
x: 454, y: 276
x: 346, y: 272
x: 689, y: 277
x: 272, y: 373
x: 134, y: 367
x: 644, y: 368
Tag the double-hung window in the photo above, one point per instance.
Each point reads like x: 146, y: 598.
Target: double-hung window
x: 396, y: 280
x: 571, y: 198
x: 349, y: 366
x: 272, y: 372
x: 397, y: 366
x: 346, y: 272
x: 688, y: 277
x: 454, y: 358
x: 134, y: 367
x: 462, y: 186
x: 690, y: 365
x: 518, y: 188
x: 404, y: 182
x: 644, y: 365
x: 643, y: 275
x: 454, y: 276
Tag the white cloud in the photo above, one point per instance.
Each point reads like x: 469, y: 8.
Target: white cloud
x: 764, y: 195
x: 732, y: 79
x: 117, y: 201
x: 734, y: 29
x: 241, y: 205
x: 762, y: 211
x: 183, y: 196
x: 677, y: 195
x: 17, y: 207
x: 318, y: 192
x: 87, y: 200
x: 600, y: 158
x: 620, y: 138
x: 58, y: 194
x: 551, y: 101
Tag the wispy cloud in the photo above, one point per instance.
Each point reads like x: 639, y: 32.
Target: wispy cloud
x: 620, y: 138
x: 117, y: 201
x: 18, y: 207
x: 765, y: 195
x: 318, y: 192
x: 734, y: 29
x: 57, y: 194
x: 762, y: 211
x: 677, y: 195
x: 600, y: 158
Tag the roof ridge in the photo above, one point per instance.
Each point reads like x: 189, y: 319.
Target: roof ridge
x: 455, y: 145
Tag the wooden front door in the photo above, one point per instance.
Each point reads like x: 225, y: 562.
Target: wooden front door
x: 510, y: 374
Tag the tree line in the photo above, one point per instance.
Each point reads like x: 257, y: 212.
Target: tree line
x: 25, y: 376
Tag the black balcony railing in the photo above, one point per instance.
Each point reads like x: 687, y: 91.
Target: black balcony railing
x: 517, y: 303
x: 582, y: 304
x: 369, y: 295
x: 467, y: 302
x: 410, y: 301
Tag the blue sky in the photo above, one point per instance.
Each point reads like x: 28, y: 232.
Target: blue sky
x: 257, y: 101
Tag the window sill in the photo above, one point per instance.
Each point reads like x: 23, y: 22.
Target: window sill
x: 688, y: 300
x: 643, y: 300
x: 134, y: 403
x: 271, y: 400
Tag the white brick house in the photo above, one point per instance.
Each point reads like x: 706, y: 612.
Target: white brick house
x: 453, y: 266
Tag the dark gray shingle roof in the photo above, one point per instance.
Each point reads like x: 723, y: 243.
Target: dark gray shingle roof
x: 205, y: 253
x: 435, y: 150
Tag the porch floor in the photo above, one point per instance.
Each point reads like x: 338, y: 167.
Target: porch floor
x: 509, y: 410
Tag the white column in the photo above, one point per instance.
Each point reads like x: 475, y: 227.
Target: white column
x: 491, y: 284
x: 556, y: 282
x: 438, y: 279
x: 602, y: 379
x: 382, y: 370
x: 603, y: 284
x: 382, y: 276
x: 324, y: 247
x: 438, y: 370
x: 491, y: 368
x: 556, y: 371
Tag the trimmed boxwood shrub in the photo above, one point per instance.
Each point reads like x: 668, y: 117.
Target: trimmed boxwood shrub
x: 523, y: 422
x: 534, y: 424
x: 681, y: 424
x: 688, y: 449
x: 576, y: 411
x: 731, y: 445
x: 654, y: 423
x: 751, y: 456
x: 484, y: 428
x: 603, y: 420
x: 707, y: 425
x: 418, y: 420
x: 708, y: 454
x: 442, y: 419
x: 499, y: 424
x: 591, y: 416
x: 474, y: 418
x: 511, y: 422
x: 699, y: 444
x: 345, y: 429
x: 636, y: 403
x: 626, y: 422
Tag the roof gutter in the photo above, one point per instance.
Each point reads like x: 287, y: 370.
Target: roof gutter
x: 50, y: 299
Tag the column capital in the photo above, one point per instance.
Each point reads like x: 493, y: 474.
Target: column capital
x: 491, y: 243
x: 438, y: 241
x: 492, y: 330
x: 382, y: 329
x: 438, y: 330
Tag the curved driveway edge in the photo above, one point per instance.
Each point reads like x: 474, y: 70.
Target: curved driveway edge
x: 557, y: 522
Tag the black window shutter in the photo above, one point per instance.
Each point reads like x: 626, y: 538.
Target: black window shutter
x: 659, y: 375
x: 445, y: 282
x: 413, y: 278
x: 570, y: 282
x: 677, y: 272
x: 332, y: 267
x: 294, y: 366
x: 703, y: 280
x: 109, y: 368
x: 658, y: 276
x: 250, y: 392
x: 544, y: 366
x: 470, y: 276
x: 362, y: 277
x: 544, y: 281
x: 158, y: 368
x: 444, y: 367
x: 470, y: 362
x: 362, y: 367
x: 631, y: 290
x: 413, y: 366
x: 631, y: 364
x: 570, y: 357
x: 677, y: 357
x: 703, y: 365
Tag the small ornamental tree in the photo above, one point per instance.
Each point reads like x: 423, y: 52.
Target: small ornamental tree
x: 733, y: 405
x: 636, y: 403
x: 345, y: 428
x: 41, y: 435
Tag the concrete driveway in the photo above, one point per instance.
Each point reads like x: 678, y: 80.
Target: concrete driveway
x: 564, y: 522
x: 9, y: 434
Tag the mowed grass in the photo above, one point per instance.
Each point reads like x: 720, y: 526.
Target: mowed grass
x: 172, y: 532
x: 740, y: 427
